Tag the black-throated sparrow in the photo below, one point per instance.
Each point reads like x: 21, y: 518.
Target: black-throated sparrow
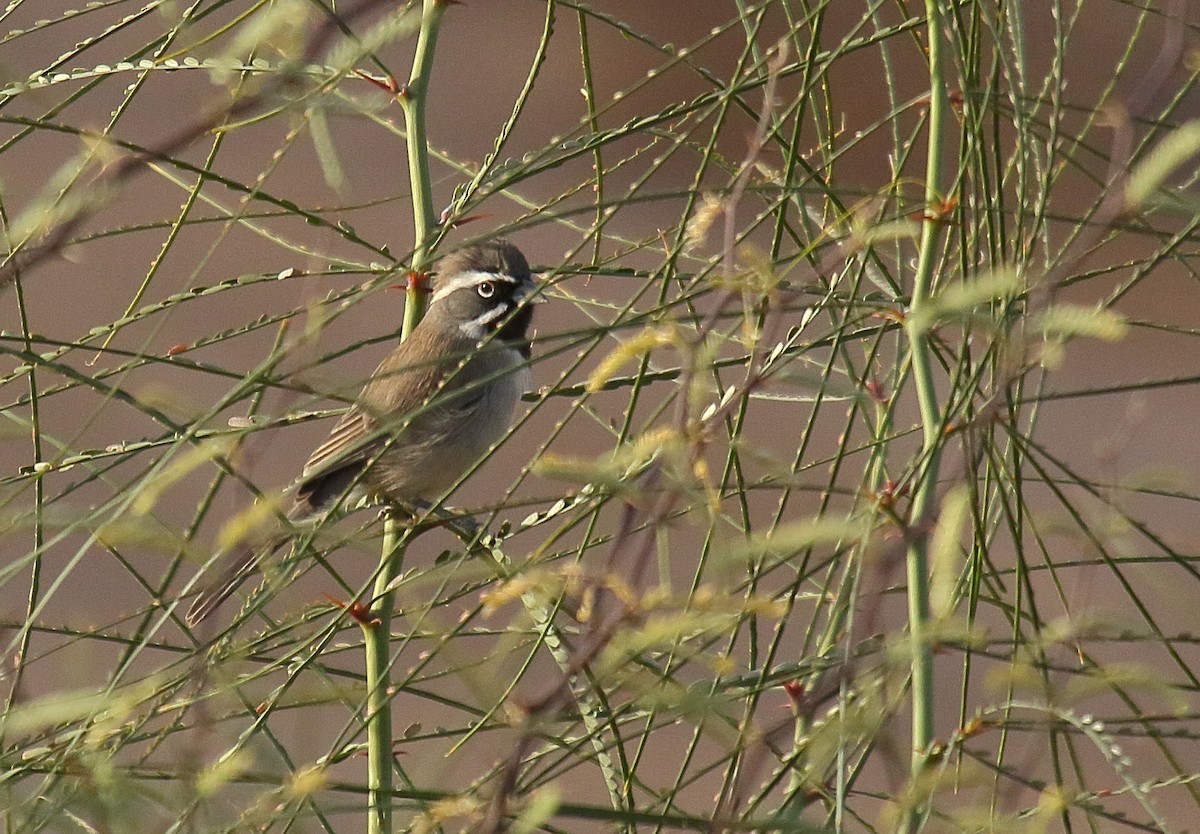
x: 430, y: 410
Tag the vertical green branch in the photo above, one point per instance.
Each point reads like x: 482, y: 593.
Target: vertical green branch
x: 377, y: 622
x: 925, y: 490
x: 377, y: 629
x: 412, y: 101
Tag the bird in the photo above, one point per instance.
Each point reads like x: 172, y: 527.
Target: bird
x: 428, y: 413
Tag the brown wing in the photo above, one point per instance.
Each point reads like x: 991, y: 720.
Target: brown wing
x: 233, y: 574
x: 404, y: 382
x: 347, y: 442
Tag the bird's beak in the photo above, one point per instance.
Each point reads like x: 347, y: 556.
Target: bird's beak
x: 527, y: 292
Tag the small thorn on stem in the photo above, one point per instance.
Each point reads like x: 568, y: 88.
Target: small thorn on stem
x: 388, y: 84
x: 456, y: 222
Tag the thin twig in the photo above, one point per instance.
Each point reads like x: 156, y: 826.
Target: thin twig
x: 111, y: 178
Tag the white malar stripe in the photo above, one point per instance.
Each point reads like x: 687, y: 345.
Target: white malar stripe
x: 477, y: 328
x: 468, y: 279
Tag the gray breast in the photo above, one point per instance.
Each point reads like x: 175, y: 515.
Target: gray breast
x: 444, y: 443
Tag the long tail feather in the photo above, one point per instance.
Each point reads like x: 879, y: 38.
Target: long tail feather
x: 237, y: 570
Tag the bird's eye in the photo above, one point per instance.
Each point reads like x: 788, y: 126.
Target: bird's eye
x: 486, y: 289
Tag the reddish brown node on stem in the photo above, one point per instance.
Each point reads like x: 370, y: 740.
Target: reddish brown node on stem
x: 939, y: 212
x: 876, y: 391
x: 888, y: 495
x: 942, y: 210
x: 357, y: 611
x: 362, y: 614
x: 794, y: 690
x: 418, y: 281
x: 955, y: 97
x: 895, y: 315
x: 175, y: 349
x: 975, y: 726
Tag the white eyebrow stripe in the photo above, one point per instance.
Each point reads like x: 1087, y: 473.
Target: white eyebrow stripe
x: 469, y: 279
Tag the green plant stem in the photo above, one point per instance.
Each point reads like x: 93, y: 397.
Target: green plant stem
x: 925, y: 491
x: 377, y: 625
x: 412, y: 101
x: 377, y: 628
